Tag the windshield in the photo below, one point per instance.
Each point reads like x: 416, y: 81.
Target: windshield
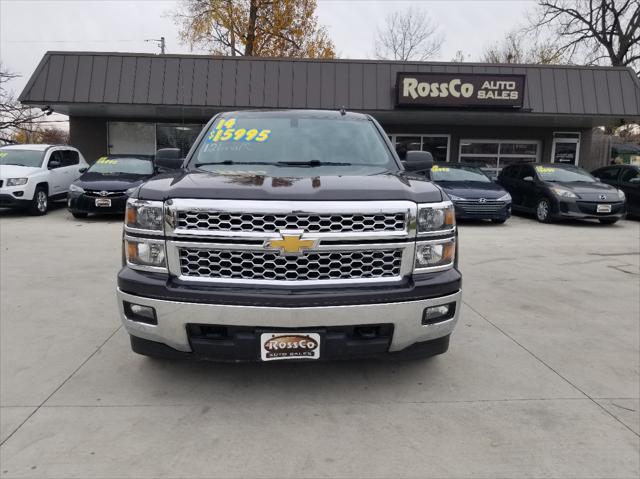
x: 565, y: 174
x: 458, y: 173
x: 11, y: 156
x: 278, y: 145
x: 126, y: 166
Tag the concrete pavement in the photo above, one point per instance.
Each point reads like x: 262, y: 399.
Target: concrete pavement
x: 542, y: 378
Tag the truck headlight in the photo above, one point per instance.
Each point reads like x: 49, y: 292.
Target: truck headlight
x: 436, y: 218
x: 145, y: 254
x: 438, y: 254
x: 17, y: 181
x: 144, y: 215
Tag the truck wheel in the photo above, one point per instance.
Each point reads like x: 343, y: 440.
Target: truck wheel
x: 79, y: 215
x: 608, y: 221
x: 543, y: 211
x: 40, y: 202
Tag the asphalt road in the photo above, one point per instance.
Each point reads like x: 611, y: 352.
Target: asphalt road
x: 542, y: 378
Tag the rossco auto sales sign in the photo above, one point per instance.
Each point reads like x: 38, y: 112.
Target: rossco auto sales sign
x: 459, y: 90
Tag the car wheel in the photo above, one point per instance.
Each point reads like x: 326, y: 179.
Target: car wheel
x: 79, y: 215
x: 499, y: 221
x: 543, y: 211
x: 40, y: 202
x: 608, y: 221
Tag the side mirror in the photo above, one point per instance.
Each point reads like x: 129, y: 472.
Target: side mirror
x: 418, y: 161
x: 528, y: 178
x: 53, y: 164
x: 83, y: 170
x: 168, y: 159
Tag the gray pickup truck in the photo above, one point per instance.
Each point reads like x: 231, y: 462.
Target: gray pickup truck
x: 290, y: 235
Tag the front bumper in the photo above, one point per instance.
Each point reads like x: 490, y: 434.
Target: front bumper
x: 174, y: 320
x: 10, y: 201
x: 83, y: 203
x: 464, y: 212
x: 587, y: 209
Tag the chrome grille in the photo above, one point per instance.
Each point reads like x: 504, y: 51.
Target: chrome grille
x: 270, y: 266
x: 272, y: 223
x: 109, y: 194
x: 474, y: 206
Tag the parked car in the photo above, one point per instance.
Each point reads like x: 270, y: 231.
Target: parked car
x: 554, y: 191
x: 290, y: 235
x: 33, y: 175
x: 473, y: 194
x: 626, y: 178
x: 106, y: 185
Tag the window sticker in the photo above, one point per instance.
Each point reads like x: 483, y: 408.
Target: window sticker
x: 544, y: 169
x: 107, y: 161
x: 225, y: 131
x: 437, y: 168
x: 3, y: 154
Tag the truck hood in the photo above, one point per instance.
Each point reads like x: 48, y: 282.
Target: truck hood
x: 17, y: 171
x: 205, y: 185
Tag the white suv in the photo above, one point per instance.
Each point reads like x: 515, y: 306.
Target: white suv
x: 31, y: 175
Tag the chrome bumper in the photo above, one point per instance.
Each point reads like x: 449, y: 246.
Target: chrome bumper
x: 173, y: 317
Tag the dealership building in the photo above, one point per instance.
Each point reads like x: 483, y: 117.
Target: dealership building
x: 491, y: 115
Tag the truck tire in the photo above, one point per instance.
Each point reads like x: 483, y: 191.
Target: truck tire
x: 40, y: 202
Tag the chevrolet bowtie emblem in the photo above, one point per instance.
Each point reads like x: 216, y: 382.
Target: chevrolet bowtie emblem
x: 290, y: 244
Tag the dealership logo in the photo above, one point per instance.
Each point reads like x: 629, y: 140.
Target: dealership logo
x: 290, y: 244
x: 441, y: 89
x: 292, y: 345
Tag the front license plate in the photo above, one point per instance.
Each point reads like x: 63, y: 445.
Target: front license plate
x: 103, y: 202
x: 287, y: 345
x: 604, y: 209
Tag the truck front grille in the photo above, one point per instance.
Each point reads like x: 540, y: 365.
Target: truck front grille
x: 270, y: 266
x: 311, y: 223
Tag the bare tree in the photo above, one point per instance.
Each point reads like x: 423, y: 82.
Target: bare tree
x: 516, y: 49
x: 14, y: 117
x: 593, y: 31
x: 408, y: 35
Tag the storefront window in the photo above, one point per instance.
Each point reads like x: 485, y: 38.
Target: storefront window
x: 176, y: 136
x: 493, y: 155
x: 437, y: 145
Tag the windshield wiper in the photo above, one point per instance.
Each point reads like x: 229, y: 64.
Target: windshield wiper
x: 231, y: 162
x: 311, y: 163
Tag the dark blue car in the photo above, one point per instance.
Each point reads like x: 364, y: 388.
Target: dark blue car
x: 474, y: 195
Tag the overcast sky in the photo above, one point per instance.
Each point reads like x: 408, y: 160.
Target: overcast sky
x: 28, y: 28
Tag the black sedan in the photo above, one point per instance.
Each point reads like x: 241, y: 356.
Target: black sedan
x: 626, y: 178
x: 106, y: 185
x: 554, y: 191
x: 473, y: 194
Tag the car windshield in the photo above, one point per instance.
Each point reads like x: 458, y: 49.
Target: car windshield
x: 564, y: 174
x: 14, y: 156
x: 122, y: 166
x: 279, y: 145
x: 458, y: 173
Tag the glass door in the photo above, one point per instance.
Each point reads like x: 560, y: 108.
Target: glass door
x: 566, y: 148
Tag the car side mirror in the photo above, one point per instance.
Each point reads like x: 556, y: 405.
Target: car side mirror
x: 54, y: 164
x: 528, y: 178
x: 168, y: 159
x: 418, y: 161
x: 83, y: 170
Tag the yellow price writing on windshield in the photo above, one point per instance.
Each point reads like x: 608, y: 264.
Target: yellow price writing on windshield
x: 225, y: 131
x: 105, y: 160
x: 437, y: 168
x: 544, y: 169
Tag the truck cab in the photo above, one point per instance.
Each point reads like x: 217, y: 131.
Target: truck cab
x: 290, y: 235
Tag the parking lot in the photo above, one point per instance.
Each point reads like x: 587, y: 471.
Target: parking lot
x: 541, y: 380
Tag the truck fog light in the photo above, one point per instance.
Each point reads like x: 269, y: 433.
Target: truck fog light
x: 437, y: 314
x: 145, y: 253
x: 431, y: 254
x: 140, y: 313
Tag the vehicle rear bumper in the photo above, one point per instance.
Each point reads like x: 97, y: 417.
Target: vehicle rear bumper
x: 401, y: 320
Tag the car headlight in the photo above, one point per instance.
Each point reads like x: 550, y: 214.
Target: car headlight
x: 563, y: 193
x: 621, y: 195
x: 130, y: 191
x: 144, y: 215
x: 454, y: 197
x: 505, y: 197
x: 76, y: 188
x: 145, y: 254
x: 17, y: 181
x: 438, y: 254
x: 436, y: 218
